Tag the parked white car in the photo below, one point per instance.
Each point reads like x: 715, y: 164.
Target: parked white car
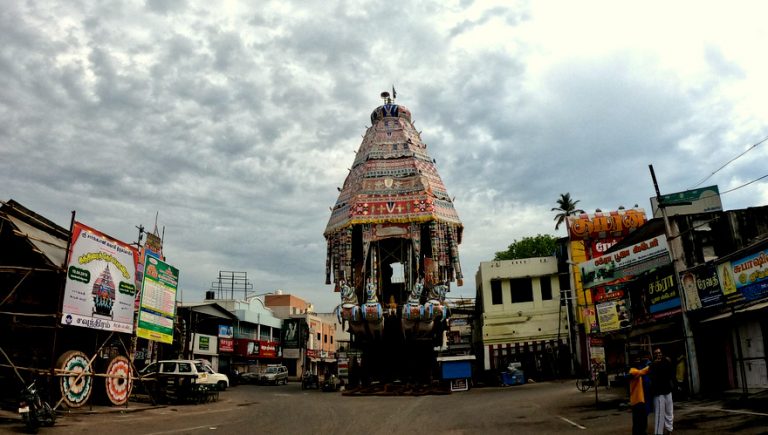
x: 205, y: 374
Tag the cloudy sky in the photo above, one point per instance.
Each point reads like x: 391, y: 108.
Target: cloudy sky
x: 234, y: 122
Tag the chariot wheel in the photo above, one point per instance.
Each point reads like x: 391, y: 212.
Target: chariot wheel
x: 118, y: 382
x: 76, y: 384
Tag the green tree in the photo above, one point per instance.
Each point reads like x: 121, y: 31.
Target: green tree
x: 538, y: 246
x: 566, y: 206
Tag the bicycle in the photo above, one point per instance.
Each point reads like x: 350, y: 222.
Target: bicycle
x: 586, y: 384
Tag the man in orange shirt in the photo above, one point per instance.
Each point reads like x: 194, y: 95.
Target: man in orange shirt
x: 637, y: 396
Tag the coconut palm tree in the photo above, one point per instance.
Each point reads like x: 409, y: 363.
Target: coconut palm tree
x: 566, y: 206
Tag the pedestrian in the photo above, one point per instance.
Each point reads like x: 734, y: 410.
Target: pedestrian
x: 662, y: 383
x: 638, y: 399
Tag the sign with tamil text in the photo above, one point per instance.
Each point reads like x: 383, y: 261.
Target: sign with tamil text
x: 157, y: 310
x: 100, y: 286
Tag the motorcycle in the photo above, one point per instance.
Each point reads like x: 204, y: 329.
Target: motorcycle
x: 331, y: 383
x: 308, y: 380
x: 34, y: 410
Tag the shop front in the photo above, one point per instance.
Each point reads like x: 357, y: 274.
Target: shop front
x: 636, y: 305
x: 252, y: 355
x: 206, y: 347
x: 226, y: 349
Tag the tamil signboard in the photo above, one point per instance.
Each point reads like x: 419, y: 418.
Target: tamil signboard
x: 157, y: 309
x: 100, y: 286
x: 609, y: 225
x: 701, y: 200
x: 627, y: 262
x: 702, y: 288
x: 745, y: 279
x: 662, y: 292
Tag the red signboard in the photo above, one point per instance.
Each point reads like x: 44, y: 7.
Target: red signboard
x: 255, y: 348
x: 226, y: 344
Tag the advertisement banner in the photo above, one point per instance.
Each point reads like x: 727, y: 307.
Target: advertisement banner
x: 612, y: 315
x: 203, y: 344
x: 702, y: 288
x: 598, y: 247
x: 226, y: 331
x: 628, y: 262
x: 745, y: 279
x: 100, y: 286
x: 590, y: 319
x: 157, y: 310
x: 291, y: 334
x: 246, y: 348
x: 268, y: 349
x: 226, y: 344
x: 663, y: 295
x: 255, y: 348
x: 597, y: 359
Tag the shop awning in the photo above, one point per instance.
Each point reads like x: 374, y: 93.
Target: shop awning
x: 749, y: 309
x: 755, y: 307
x: 717, y: 317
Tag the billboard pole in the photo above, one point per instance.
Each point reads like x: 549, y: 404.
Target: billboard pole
x: 672, y: 242
x: 60, y: 308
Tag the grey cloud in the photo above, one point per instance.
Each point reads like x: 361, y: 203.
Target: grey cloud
x: 165, y: 6
x: 239, y: 137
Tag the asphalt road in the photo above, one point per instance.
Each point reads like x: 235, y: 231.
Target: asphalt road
x: 541, y: 408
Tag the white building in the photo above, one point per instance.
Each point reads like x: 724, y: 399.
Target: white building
x: 522, y: 319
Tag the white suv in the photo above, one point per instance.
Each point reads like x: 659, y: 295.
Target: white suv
x: 204, y: 372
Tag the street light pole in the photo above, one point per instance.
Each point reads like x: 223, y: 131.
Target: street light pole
x: 672, y: 241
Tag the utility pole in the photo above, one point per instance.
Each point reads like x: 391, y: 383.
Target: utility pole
x: 673, y: 237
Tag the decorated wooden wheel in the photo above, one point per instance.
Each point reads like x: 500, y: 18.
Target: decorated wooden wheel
x: 119, y: 381
x: 75, y: 388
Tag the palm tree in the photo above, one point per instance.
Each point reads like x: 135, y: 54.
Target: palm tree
x: 566, y: 207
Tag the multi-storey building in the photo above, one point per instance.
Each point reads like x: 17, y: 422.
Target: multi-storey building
x: 521, y: 318
x: 308, y: 339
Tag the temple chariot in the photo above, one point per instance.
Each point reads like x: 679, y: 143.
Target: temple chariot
x: 392, y: 242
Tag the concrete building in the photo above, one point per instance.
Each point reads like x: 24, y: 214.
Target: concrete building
x: 313, y: 348
x: 521, y: 319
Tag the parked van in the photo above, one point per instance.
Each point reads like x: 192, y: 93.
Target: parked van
x: 203, y: 372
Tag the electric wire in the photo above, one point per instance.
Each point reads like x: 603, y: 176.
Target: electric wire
x: 729, y: 162
x: 744, y: 185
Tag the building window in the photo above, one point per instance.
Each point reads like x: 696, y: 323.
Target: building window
x: 521, y: 290
x: 496, y: 292
x: 325, y: 339
x: 546, y: 288
x: 331, y: 339
x: 318, y: 337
